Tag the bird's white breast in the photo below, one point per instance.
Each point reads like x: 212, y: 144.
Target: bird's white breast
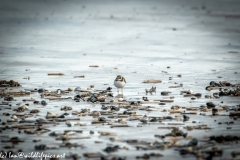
x: 119, y: 84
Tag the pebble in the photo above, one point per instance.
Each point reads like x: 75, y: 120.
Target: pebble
x: 165, y: 93
x: 43, y: 102
x: 162, y: 103
x: 210, y: 104
x: 186, y: 118
x: 77, y: 88
x: 41, y: 90
x: 193, y: 142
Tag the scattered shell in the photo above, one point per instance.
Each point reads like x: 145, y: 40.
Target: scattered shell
x: 152, y: 81
x: 79, y: 76
x: 94, y: 66
x: 55, y: 74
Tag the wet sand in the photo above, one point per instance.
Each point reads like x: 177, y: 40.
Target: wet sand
x: 137, y: 39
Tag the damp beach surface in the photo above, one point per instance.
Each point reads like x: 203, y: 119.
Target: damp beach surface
x: 91, y: 42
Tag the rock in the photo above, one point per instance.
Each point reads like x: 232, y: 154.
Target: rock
x: 66, y: 108
x: 34, y: 111
x: 175, y: 107
x: 93, y: 99
x: 197, y: 95
x: 111, y: 149
x: 104, y: 107
x: 77, y: 88
x: 101, y: 119
x: 193, y: 142
x: 153, y: 89
x: 70, y: 89
x: 101, y: 99
x: 8, y: 98
x: 109, y: 89
x: 145, y: 98
x: 214, y: 84
x: 41, y: 90
x: 210, y: 105
x: 96, y: 114
x: 215, y: 111
x: 186, y: 118
x: 190, y: 91
x: 165, y: 93
x: 176, y: 132
x: 114, y: 108
x: 43, y: 102
x: 162, y: 103
x: 40, y: 147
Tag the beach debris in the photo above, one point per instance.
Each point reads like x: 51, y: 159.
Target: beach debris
x: 153, y: 89
x: 148, y: 156
x: 178, y: 86
x: 152, y: 81
x: 82, y: 76
x: 94, y: 66
x: 43, y: 102
x: 110, y: 149
x: 11, y: 83
x: 198, y: 127
x: 22, y: 108
x: 66, y: 108
x: 193, y: 142
x: 55, y: 74
x: 165, y: 93
x: 186, y: 118
x: 92, y: 155
x: 222, y: 139
x: 176, y: 132
x: 50, y: 115
x: 13, y: 140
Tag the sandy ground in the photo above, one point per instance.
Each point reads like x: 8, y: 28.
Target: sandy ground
x: 198, y: 39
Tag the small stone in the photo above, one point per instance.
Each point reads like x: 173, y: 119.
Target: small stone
x: 114, y: 108
x: 77, y: 88
x: 165, y: 93
x: 190, y: 91
x: 43, y: 102
x: 41, y: 90
x: 36, y: 140
x: 162, y: 103
x: 186, y: 118
x: 198, y: 95
x: 40, y: 147
x: 210, y: 105
x: 193, y: 142
x: 120, y: 99
x: 193, y: 98
x: 145, y: 98
x: 96, y: 114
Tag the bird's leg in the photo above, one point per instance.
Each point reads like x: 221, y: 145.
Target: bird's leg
x: 118, y: 91
x: 122, y: 91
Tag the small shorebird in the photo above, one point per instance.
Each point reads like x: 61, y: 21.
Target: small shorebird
x: 119, y: 82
